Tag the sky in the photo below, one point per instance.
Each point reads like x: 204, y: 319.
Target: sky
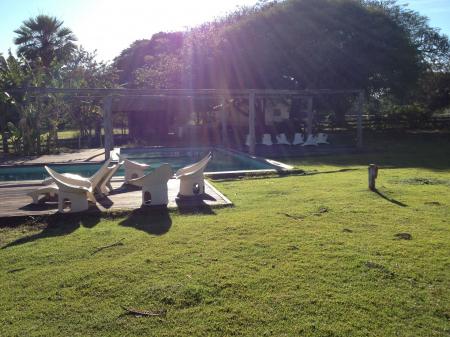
x: 109, y: 26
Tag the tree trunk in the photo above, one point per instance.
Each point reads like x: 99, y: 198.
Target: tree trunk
x: 80, y: 134
x: 5, y: 142
x: 98, y: 133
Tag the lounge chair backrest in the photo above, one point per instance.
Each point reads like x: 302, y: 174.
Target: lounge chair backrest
x: 322, y: 138
x: 97, y: 177
x: 310, y: 140
x: 63, y: 183
x: 113, y: 171
x: 158, y: 176
x: 282, y: 139
x: 194, y: 167
x: 131, y: 163
x: 110, y: 170
x: 267, y: 139
x: 70, y: 180
x: 298, y: 139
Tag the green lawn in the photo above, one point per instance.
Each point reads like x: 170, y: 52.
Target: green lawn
x: 312, y: 255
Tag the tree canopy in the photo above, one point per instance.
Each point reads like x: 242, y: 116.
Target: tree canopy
x: 302, y: 44
x: 43, y: 39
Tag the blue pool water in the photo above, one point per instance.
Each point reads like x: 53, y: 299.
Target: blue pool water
x: 223, y: 160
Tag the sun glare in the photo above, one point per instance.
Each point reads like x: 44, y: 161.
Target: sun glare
x: 127, y: 21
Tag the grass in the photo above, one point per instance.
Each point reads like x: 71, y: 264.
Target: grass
x: 299, y: 255
x: 73, y: 134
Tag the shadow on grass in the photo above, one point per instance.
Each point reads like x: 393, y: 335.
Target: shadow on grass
x: 195, y: 205
x: 152, y: 220
x: 312, y: 173
x: 388, y: 149
x: 396, y: 202
x: 59, y: 225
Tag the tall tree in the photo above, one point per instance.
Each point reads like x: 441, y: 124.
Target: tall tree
x: 433, y: 47
x: 43, y: 39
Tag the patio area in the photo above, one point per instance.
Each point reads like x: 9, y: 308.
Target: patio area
x: 76, y: 156
x: 16, y: 203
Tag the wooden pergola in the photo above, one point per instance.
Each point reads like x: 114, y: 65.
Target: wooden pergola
x: 222, y: 94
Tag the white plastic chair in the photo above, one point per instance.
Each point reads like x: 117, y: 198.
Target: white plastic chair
x: 267, y: 139
x: 133, y: 169
x: 154, y: 186
x: 93, y: 181
x: 247, y: 140
x: 192, y: 181
x: 105, y: 186
x: 50, y: 190
x: 298, y: 139
x: 78, y: 195
x: 322, y: 138
x: 282, y: 139
x: 310, y: 141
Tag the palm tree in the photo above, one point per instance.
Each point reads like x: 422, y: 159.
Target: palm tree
x: 43, y: 39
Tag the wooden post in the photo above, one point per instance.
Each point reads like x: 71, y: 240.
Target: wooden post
x: 310, y: 116
x: 373, y: 174
x: 251, y: 122
x: 223, y: 118
x: 108, y: 125
x: 359, y: 132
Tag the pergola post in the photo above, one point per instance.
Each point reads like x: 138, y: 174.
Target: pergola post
x: 310, y: 116
x: 223, y: 118
x: 359, y: 126
x: 107, y: 125
x: 251, y: 122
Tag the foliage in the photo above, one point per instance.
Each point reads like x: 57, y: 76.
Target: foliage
x: 433, y: 47
x: 298, y: 44
x: 434, y: 92
x: 291, y: 44
x: 33, y: 119
x: 151, y: 59
x: 43, y: 40
x: 83, y: 71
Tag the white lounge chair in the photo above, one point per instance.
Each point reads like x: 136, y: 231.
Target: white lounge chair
x: 267, y: 139
x: 310, y: 141
x: 49, y: 190
x: 298, y: 139
x: 192, y: 181
x: 154, y: 186
x: 133, y: 169
x: 322, y: 138
x: 97, y: 182
x: 93, y: 181
x: 78, y: 195
x: 282, y: 139
x: 247, y: 140
x: 105, y: 186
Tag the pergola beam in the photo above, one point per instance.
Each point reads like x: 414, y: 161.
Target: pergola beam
x: 182, y: 92
x: 251, y: 94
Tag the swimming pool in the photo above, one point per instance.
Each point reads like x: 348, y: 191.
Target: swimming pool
x: 223, y: 160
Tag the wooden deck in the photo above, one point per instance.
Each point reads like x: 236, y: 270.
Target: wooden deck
x: 15, y: 203
x: 78, y: 156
